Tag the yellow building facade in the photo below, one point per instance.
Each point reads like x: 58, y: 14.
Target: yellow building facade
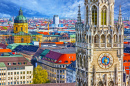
x: 22, y: 39
x: 21, y: 34
x: 23, y: 27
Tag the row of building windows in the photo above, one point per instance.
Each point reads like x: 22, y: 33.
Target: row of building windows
x: 2, y: 83
x: 18, y: 68
x: 11, y: 73
x: 2, y: 73
x: 126, y: 61
x: 61, y: 76
x: 11, y: 83
x: 19, y: 63
x: 60, y: 71
x: 60, y: 81
x: 21, y: 29
x: 21, y: 77
x: 3, y: 78
x: 52, y: 64
x: 2, y: 69
x: 55, y: 60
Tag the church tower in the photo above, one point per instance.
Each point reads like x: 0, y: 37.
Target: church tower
x: 99, y: 45
x: 20, y: 23
x: 21, y: 34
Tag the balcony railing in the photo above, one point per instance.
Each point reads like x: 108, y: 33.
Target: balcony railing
x: 96, y: 44
x: 115, y: 45
x: 102, y: 44
x: 108, y: 44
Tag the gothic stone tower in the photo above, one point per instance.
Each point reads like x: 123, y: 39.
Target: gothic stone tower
x: 99, y: 45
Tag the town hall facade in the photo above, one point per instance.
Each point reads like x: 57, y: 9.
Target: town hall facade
x: 99, y: 45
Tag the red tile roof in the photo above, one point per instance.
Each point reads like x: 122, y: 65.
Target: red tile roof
x: 45, y: 33
x: 126, y: 64
x: 67, y: 57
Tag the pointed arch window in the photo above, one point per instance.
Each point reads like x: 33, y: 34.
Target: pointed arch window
x: 96, y: 39
x: 80, y: 60
x: 104, y: 16
x: 109, y: 38
x: 21, y: 29
x: 86, y: 14
x: 22, y: 40
x: 94, y: 15
x: 115, y: 38
x: 16, y: 28
x: 103, y: 39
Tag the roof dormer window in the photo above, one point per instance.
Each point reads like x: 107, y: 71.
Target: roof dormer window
x: 9, y: 63
x: 66, y: 61
x: 14, y: 63
x: 25, y: 63
x: 19, y: 63
x: 60, y: 61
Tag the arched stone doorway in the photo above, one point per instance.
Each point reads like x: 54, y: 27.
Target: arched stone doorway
x: 111, y: 83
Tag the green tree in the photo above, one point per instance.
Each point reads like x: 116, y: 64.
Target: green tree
x: 40, y: 75
x: 5, y: 28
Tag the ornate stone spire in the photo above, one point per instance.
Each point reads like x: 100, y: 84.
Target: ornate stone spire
x: 120, y: 16
x: 79, y: 15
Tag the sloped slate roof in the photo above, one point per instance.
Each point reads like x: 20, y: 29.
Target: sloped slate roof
x: 26, y: 48
x: 18, y: 48
x: 38, y: 52
x: 13, y: 46
x: 30, y: 48
x: 53, y: 55
x: 12, y: 59
x: 65, y: 50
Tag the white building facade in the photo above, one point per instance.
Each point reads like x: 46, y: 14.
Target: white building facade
x: 17, y: 71
x: 56, y: 20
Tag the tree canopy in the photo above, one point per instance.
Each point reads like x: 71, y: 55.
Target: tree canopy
x: 5, y: 28
x: 40, y: 75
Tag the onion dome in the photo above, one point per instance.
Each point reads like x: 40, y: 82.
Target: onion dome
x: 20, y: 18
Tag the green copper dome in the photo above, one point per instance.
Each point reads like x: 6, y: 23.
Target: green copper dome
x: 20, y: 18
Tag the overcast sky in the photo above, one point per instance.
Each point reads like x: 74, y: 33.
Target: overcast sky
x: 48, y: 8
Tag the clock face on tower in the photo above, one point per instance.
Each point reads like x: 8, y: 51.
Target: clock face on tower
x: 105, y: 60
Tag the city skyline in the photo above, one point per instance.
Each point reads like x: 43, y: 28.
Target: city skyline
x: 46, y: 9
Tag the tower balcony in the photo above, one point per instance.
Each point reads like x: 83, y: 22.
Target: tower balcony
x: 104, y: 45
x: 96, y: 44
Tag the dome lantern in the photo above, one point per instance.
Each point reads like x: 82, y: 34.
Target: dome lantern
x: 20, y: 18
x: 20, y: 12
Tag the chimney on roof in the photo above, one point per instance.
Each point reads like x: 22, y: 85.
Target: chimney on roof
x: 39, y: 44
